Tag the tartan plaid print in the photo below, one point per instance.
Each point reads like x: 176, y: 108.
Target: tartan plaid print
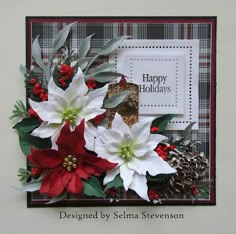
x: 105, y: 31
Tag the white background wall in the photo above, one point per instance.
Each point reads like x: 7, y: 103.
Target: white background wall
x: 15, y: 218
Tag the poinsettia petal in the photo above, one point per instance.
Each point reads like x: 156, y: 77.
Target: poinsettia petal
x: 89, y: 113
x: 95, y: 165
x: 154, y: 140
x: 71, y: 142
x: 77, y: 87
x: 46, y: 111
x: 135, y: 164
x: 52, y: 184
x: 65, y: 177
x: 108, y: 135
x: 110, y: 176
x: 54, y: 90
x: 140, y: 131
x: 139, y: 185
x: 82, y: 173
x: 155, y: 165
x: 103, y: 152
x: 45, y: 130
x: 46, y: 158
x: 96, y: 97
x: 75, y: 185
x: 127, y: 175
x: 141, y: 149
x: 120, y: 126
x: 90, y: 133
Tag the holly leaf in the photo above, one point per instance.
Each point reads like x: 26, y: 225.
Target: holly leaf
x: 116, y: 183
x: 162, y: 122
x: 85, y: 46
x: 27, y: 141
x: 116, y: 99
x: 27, y: 125
x: 92, y: 187
x: 61, y: 37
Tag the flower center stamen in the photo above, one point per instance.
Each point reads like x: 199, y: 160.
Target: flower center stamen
x: 70, y: 114
x: 70, y: 163
x: 126, y: 152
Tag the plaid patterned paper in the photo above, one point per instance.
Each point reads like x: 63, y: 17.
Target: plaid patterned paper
x: 201, y: 28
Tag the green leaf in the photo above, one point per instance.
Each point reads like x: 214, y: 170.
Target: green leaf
x: 116, y: 99
x: 116, y: 183
x: 162, y: 122
x: 108, y: 48
x: 104, y: 123
x: 85, y: 46
x: 36, y: 53
x: 19, y: 111
x: 106, y: 76
x: 92, y: 187
x: 186, y: 134
x: 82, y: 63
x: 104, y: 67
x: 27, y: 141
x: 58, y: 198
x: 29, y: 187
x: 60, y: 38
x: 27, y: 125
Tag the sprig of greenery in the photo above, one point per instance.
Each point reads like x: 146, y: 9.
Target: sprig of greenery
x: 24, y: 175
x: 19, y: 111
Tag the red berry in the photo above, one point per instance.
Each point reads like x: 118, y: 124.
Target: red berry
x: 41, y: 96
x: 32, y: 81
x: 172, y: 147
x: 42, y: 91
x: 37, y: 85
x: 36, y: 90
x: 35, y: 172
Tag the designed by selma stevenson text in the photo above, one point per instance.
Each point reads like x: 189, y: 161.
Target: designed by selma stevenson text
x: 117, y: 215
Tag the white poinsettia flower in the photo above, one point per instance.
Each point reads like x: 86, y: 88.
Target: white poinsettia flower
x: 73, y: 104
x: 133, y: 151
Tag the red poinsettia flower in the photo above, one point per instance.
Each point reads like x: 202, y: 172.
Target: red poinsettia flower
x: 68, y: 165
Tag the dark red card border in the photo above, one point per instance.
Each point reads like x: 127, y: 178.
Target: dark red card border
x: 210, y: 20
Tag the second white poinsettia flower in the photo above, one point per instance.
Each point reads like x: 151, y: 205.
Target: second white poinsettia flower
x: 73, y: 104
x: 133, y: 151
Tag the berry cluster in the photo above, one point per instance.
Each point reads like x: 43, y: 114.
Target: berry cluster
x: 38, y: 91
x: 163, y: 150
x: 66, y: 72
x: 195, y: 190
x: 152, y: 194
x: 154, y: 129
x: 111, y: 192
x: 35, y: 172
x: 91, y: 84
x: 32, y: 113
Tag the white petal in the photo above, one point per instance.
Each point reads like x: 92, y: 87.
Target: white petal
x: 111, y: 175
x: 77, y: 87
x: 155, y: 165
x: 45, y: 130
x: 54, y: 91
x: 88, y: 113
x: 113, y: 147
x: 120, y: 126
x: 135, y: 164
x: 141, y: 131
x: 154, y: 140
x: 108, y: 135
x: 139, y: 185
x: 141, y: 149
x: 96, y: 97
x: 127, y: 175
x: 55, y: 136
x: 46, y: 111
x: 102, y: 151
x: 90, y: 132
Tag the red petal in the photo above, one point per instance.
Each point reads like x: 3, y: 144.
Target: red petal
x: 75, y: 185
x: 71, y: 142
x: 82, y: 173
x: 94, y: 165
x: 53, y: 184
x: 46, y: 158
x: 65, y: 177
